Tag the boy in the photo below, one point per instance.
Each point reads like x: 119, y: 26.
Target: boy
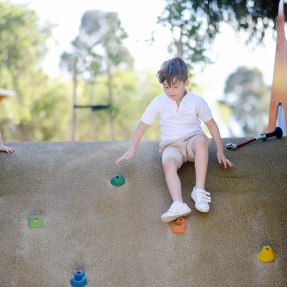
x: 5, y: 148
x: 183, y: 139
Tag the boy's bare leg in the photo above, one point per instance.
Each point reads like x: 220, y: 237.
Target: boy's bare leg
x: 170, y: 167
x: 200, y: 149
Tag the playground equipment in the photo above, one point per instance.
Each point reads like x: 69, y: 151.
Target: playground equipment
x: 4, y: 93
x: 79, y: 279
x: 117, y: 180
x: 118, y: 236
x: 179, y: 225
x: 278, y: 102
x: 36, y: 221
x: 115, y: 234
x: 266, y: 254
x: 276, y: 133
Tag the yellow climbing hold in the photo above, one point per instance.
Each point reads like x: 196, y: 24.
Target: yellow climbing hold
x: 266, y: 254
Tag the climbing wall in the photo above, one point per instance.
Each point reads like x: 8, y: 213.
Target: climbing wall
x: 59, y: 213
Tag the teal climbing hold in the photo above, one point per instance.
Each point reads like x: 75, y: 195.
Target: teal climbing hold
x: 117, y: 180
x: 35, y: 221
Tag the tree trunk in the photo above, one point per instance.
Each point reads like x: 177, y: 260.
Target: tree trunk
x: 110, y: 93
x: 74, y: 98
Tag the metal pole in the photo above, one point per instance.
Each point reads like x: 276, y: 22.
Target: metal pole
x: 74, y: 98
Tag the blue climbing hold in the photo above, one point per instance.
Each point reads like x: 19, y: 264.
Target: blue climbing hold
x: 79, y: 279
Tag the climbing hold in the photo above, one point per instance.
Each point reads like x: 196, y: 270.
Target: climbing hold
x: 117, y: 180
x: 266, y: 254
x: 35, y: 221
x: 79, y: 279
x: 178, y: 225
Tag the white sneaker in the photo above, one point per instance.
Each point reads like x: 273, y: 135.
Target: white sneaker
x: 201, y: 198
x: 176, y: 210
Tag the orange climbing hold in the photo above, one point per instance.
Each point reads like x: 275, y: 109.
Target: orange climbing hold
x: 178, y: 225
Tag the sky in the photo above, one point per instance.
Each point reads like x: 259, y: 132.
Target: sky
x: 139, y: 21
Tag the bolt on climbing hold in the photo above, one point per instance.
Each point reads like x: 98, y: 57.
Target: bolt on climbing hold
x: 79, y: 279
x: 117, y: 180
x: 179, y: 225
x: 35, y: 221
x: 266, y: 254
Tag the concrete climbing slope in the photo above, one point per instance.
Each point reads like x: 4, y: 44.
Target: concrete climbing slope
x: 115, y: 234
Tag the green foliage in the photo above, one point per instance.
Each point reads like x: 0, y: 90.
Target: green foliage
x: 99, y: 50
x: 186, y: 26
x: 39, y: 109
x: 132, y: 94
x: 22, y: 39
x: 149, y: 87
x: 94, y: 125
x: 196, y: 22
x: 246, y: 95
x: 99, y: 45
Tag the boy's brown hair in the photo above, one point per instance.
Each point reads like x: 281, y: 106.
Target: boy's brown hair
x: 173, y: 70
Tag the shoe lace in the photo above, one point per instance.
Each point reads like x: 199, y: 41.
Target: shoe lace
x: 204, y: 195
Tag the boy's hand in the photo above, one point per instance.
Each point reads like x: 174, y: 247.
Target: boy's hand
x: 221, y: 158
x: 7, y: 149
x: 128, y: 155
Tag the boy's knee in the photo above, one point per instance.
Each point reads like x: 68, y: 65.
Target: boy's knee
x: 200, y: 143
x: 170, y: 164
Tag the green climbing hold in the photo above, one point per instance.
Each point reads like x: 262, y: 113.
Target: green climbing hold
x: 36, y: 221
x: 117, y: 180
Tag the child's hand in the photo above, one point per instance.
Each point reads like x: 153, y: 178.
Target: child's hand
x: 221, y: 158
x: 128, y: 155
x: 7, y: 149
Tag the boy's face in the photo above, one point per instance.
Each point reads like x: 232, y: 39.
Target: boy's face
x: 176, y: 91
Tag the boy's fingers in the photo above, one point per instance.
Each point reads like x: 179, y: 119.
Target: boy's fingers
x: 230, y: 163
x: 219, y: 159
x: 120, y: 159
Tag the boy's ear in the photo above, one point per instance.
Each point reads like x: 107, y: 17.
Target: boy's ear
x: 187, y: 82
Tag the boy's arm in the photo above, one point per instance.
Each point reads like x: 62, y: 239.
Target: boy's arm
x: 214, y: 131
x: 5, y: 148
x: 137, y: 135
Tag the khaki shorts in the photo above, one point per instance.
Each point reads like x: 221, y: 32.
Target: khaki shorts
x: 180, y: 149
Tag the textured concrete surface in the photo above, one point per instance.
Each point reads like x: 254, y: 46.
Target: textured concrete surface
x: 115, y: 234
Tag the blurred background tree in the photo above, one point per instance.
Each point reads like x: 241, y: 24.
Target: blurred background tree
x: 99, y: 50
x: 246, y: 95
x: 36, y: 112
x: 195, y: 23
x: 187, y: 32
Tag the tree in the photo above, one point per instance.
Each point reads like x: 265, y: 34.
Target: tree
x: 196, y: 22
x: 21, y: 50
x: 94, y: 125
x: 246, y: 95
x: 188, y: 41
x: 99, y: 50
x: 38, y: 111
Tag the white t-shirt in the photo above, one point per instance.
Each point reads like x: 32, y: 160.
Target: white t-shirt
x: 178, y: 122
